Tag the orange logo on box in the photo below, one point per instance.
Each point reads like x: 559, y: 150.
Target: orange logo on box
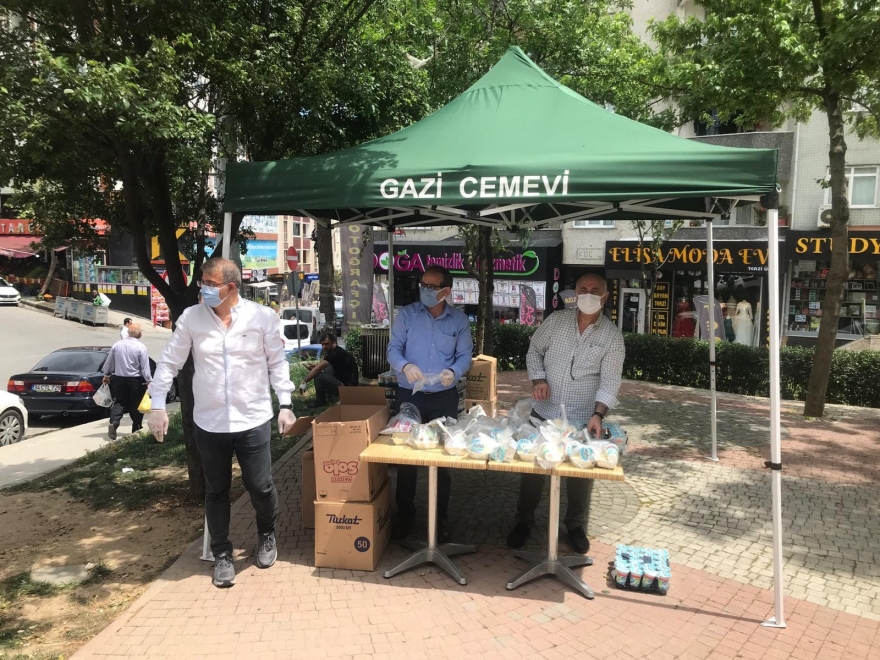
x: 341, y: 468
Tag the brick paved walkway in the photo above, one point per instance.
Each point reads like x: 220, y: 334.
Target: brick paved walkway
x: 713, y: 518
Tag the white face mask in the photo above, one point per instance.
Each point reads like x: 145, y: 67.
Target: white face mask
x: 589, y: 303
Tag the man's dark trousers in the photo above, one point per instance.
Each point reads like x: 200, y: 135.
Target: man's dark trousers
x: 431, y: 406
x: 127, y: 393
x: 253, y: 450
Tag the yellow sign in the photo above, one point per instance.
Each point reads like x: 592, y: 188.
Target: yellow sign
x: 156, y: 250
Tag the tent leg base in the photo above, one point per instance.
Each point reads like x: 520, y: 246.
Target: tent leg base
x: 714, y: 459
x: 771, y: 623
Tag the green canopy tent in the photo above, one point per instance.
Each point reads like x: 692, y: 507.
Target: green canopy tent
x: 519, y: 150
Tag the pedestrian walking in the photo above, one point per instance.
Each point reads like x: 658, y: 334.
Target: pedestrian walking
x: 126, y: 323
x: 238, y: 353
x: 429, y: 338
x: 127, y: 370
x: 575, y: 359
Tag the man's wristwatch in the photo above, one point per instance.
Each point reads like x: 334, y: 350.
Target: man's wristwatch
x: 285, y: 406
x: 601, y: 417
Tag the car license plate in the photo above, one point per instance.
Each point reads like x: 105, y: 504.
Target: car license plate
x: 46, y: 388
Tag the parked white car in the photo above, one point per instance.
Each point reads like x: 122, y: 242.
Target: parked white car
x: 289, y: 331
x: 13, y: 419
x: 9, y: 295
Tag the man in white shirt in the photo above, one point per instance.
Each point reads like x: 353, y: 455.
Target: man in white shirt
x: 238, y: 353
x: 126, y: 324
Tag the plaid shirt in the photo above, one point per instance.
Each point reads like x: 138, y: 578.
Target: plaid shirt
x: 581, y: 369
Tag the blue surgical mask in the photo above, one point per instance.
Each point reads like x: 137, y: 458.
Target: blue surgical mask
x: 211, y: 295
x: 430, y: 298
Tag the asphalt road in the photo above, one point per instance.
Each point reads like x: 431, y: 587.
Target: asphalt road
x: 27, y: 335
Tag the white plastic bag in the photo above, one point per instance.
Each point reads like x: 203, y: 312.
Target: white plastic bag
x: 103, y: 397
x: 519, y: 414
x: 423, y: 436
x: 429, y: 379
x: 403, y: 422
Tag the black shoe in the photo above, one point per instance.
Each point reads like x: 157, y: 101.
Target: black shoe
x: 111, y: 430
x: 578, y: 540
x: 518, y: 535
x: 442, y: 532
x: 402, y: 527
x: 224, y: 572
x: 135, y: 429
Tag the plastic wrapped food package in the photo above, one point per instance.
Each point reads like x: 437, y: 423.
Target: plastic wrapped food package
x: 423, y: 436
x: 584, y: 456
x: 607, y: 454
x: 480, y: 447
x: 527, y: 449
x: 505, y: 448
x: 456, y: 444
x: 403, y: 422
x: 550, y: 455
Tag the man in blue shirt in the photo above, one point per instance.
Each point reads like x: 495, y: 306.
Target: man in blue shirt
x: 428, y: 338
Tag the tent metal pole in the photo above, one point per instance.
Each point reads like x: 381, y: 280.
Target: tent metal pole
x: 226, y: 238
x: 775, y: 463
x: 390, y: 275
x: 710, y: 279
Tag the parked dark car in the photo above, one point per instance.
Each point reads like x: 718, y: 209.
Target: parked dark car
x: 65, y: 381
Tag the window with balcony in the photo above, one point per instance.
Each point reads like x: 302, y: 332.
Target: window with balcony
x: 861, y: 186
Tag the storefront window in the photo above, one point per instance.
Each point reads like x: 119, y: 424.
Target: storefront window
x: 859, y: 308
x: 738, y: 306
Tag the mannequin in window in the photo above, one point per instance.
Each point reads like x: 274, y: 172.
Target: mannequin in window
x: 743, y: 325
x: 685, y: 322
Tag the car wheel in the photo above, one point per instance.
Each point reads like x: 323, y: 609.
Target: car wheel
x: 171, y: 397
x: 11, y: 428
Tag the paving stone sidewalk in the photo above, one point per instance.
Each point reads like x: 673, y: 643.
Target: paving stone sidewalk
x: 714, y: 519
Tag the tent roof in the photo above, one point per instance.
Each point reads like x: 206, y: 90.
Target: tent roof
x: 517, y: 149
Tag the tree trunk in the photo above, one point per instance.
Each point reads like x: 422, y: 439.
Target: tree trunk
x: 837, y: 274
x: 53, y: 264
x: 326, y: 276
x: 193, y: 459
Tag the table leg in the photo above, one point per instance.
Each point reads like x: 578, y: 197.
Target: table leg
x: 552, y: 563
x: 434, y: 554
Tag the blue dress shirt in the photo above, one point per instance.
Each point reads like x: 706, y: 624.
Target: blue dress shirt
x: 431, y: 344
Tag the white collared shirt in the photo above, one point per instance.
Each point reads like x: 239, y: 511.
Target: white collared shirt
x: 233, y: 366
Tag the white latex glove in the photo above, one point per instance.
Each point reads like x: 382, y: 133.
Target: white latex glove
x: 303, y: 387
x: 286, y: 420
x: 447, y: 377
x: 413, y: 373
x: 157, y: 422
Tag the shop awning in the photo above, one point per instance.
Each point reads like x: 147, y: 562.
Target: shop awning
x: 18, y: 247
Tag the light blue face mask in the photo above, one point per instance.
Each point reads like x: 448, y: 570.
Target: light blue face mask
x: 211, y: 295
x: 429, y: 298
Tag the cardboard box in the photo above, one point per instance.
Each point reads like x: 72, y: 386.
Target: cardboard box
x: 353, y: 535
x: 340, y: 434
x: 309, y: 491
x: 481, y: 382
x: 491, y: 407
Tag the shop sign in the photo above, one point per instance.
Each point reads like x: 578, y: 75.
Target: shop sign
x: 728, y: 256
x: 519, y: 265
x: 817, y: 245
x: 661, y: 303
x: 357, y: 281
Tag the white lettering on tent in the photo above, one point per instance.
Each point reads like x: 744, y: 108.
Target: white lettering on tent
x: 530, y: 183
x: 389, y: 194
x: 409, y: 188
x: 508, y: 189
x: 487, y: 187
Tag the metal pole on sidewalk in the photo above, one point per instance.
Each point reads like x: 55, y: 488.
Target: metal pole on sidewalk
x: 390, y: 275
x: 775, y: 462
x: 710, y: 277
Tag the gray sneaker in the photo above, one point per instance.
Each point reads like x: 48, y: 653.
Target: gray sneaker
x: 267, y: 552
x: 111, y: 430
x: 224, y: 572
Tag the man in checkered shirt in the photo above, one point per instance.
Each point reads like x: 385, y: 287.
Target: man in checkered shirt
x: 575, y: 359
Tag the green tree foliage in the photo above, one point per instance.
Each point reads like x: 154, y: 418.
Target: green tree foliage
x: 761, y: 62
